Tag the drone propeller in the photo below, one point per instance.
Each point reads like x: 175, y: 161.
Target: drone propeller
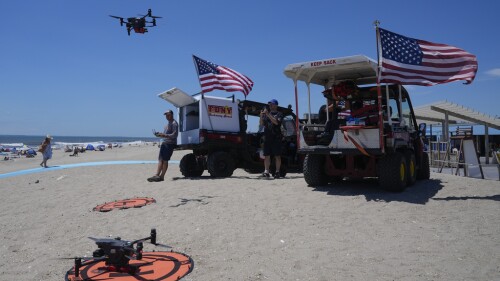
x: 76, y: 258
x: 149, y: 15
x: 104, y: 239
x: 120, y: 18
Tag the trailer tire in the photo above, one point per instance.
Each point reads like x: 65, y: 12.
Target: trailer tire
x: 392, y: 172
x: 314, y: 170
x: 424, y: 171
x: 220, y: 164
x: 190, y: 167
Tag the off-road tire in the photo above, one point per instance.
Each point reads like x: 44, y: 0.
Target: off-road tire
x: 392, y: 172
x: 189, y: 166
x: 220, y: 164
x: 411, y: 165
x: 314, y: 170
x: 424, y: 171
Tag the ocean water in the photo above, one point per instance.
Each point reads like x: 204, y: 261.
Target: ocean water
x: 33, y: 141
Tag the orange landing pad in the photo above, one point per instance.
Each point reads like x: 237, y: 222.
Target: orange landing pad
x: 125, y: 204
x: 159, y: 266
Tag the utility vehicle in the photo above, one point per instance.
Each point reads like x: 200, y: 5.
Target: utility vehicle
x: 377, y: 137
x: 215, y: 129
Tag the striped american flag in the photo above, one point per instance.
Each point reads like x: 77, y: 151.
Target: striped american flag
x: 217, y: 77
x: 344, y: 113
x: 411, y: 61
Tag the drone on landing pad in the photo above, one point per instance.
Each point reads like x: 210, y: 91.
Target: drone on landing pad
x: 116, y: 254
x: 138, y: 24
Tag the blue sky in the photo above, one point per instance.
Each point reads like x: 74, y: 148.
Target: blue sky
x: 69, y: 69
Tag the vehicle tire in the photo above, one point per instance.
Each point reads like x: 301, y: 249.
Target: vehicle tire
x: 424, y: 171
x: 189, y: 166
x: 220, y: 164
x: 314, y: 170
x: 411, y: 164
x: 392, y: 172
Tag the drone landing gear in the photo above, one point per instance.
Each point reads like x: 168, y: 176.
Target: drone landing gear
x: 161, y: 266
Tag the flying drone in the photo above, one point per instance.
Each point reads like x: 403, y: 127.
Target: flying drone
x: 117, y: 259
x: 138, y: 24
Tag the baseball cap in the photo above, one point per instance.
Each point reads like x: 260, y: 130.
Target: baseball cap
x: 49, y: 137
x: 168, y: 111
x: 273, y: 101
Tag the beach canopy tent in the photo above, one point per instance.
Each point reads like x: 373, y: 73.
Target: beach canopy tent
x: 89, y: 147
x: 31, y: 151
x: 447, y: 113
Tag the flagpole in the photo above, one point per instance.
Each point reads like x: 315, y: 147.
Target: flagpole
x: 379, y: 91
x: 202, y: 98
x: 198, y: 73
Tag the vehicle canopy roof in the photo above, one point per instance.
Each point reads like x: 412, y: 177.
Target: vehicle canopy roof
x: 254, y: 108
x: 359, y: 68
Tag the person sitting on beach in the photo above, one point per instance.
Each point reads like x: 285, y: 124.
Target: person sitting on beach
x: 75, y: 152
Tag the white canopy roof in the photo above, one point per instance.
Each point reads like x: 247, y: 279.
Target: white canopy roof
x: 435, y: 112
x: 360, y: 68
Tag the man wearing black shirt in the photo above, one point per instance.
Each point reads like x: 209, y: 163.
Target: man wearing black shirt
x: 271, y: 120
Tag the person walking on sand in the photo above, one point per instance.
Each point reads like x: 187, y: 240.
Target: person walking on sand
x: 46, y: 150
x: 169, y: 136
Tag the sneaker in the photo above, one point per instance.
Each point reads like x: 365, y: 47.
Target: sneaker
x: 154, y: 178
x: 277, y: 175
x: 265, y: 175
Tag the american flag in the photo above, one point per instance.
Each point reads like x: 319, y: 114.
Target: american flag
x: 217, y: 77
x: 344, y: 113
x: 411, y: 61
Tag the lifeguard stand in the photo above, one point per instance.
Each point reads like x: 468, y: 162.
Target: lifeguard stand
x: 467, y: 153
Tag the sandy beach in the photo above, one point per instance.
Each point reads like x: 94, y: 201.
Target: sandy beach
x: 246, y: 228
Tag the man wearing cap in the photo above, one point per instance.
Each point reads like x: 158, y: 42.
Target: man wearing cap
x: 169, y: 136
x: 271, y: 120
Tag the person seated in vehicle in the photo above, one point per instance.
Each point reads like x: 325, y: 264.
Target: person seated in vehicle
x: 331, y: 110
x: 366, y: 112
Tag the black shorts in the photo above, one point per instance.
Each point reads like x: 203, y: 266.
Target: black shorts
x: 272, y: 146
x: 166, y: 150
